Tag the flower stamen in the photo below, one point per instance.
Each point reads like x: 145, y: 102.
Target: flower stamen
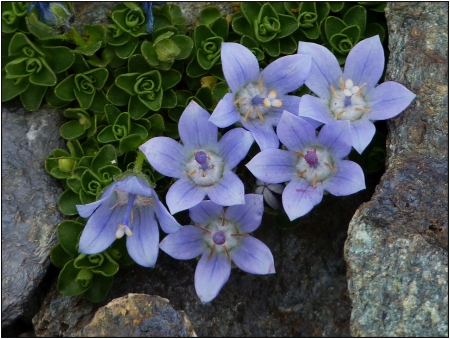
x: 223, y: 217
x: 330, y: 166
x: 260, y: 116
x: 300, y: 154
x: 228, y: 254
x: 339, y: 114
x: 239, y: 100
x: 213, y: 248
x: 341, y: 82
x: 357, y: 94
x: 315, y: 180
x: 260, y: 84
x: 117, y: 203
x: 191, y: 172
x: 239, y: 235
x: 333, y: 92
x: 299, y: 174
x: 202, y: 228
x: 248, y: 114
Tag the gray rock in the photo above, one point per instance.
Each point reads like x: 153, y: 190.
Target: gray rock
x: 29, y: 206
x: 139, y: 315
x: 397, y: 246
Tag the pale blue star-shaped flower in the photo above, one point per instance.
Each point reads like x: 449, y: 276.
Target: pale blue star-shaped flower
x: 221, y: 236
x: 202, y: 164
x: 311, y: 164
x: 352, y: 95
x: 128, y: 206
x: 258, y: 99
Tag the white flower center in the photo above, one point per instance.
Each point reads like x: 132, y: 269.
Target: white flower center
x: 315, y: 164
x: 347, y: 103
x: 205, y: 168
x: 255, y: 100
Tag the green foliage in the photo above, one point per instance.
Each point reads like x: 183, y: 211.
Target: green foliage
x: 125, y: 86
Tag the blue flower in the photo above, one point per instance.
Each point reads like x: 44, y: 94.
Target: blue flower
x: 352, y: 95
x: 258, y: 99
x: 53, y: 13
x: 312, y: 164
x: 203, y: 165
x: 221, y: 236
x: 126, y: 207
x: 148, y: 10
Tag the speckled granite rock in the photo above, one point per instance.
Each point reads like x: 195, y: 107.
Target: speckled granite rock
x: 397, y: 246
x: 29, y: 212
x: 139, y: 315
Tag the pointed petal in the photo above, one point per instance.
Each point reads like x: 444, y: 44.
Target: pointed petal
x: 295, y: 133
x: 85, y: 211
x: 239, y: 65
x: 315, y: 108
x: 194, y: 128
x: 165, y: 155
x: 253, y: 256
x: 142, y: 246
x: 290, y: 103
x: 205, y: 211
x: 100, y: 230
x: 263, y: 133
x: 229, y: 191
x: 234, y: 146
x: 362, y: 134
x: 325, y: 69
x: 299, y: 197
x: 134, y: 185
x: 387, y: 100
x: 288, y: 73
x: 348, y: 179
x: 184, y: 194
x: 225, y: 113
x: 185, y: 244
x: 273, y: 165
x: 211, y: 275
x: 365, y: 63
x: 337, y: 137
x: 247, y: 217
x: 166, y: 221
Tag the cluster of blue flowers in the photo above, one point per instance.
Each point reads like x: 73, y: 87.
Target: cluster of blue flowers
x: 309, y: 163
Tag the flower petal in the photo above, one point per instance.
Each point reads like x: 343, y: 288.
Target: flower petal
x: 288, y: 73
x: 142, y: 246
x: 337, y: 137
x: 365, y: 62
x: 290, y: 103
x: 165, y: 155
x: 273, y: 165
x: 247, y: 217
x: 228, y: 191
x: 85, y: 211
x: 272, y: 200
x: 166, y: 221
x: 210, y: 275
x: 362, y: 134
x: 348, y: 179
x: 387, y: 100
x: 263, y: 133
x: 134, y: 185
x: 299, y: 197
x: 100, y: 230
x: 225, y: 113
x: 194, y: 128
x: 205, y: 211
x: 325, y: 69
x: 315, y: 108
x: 184, y: 194
x: 253, y: 256
x: 295, y: 133
x: 234, y: 146
x: 239, y: 65
x: 185, y: 244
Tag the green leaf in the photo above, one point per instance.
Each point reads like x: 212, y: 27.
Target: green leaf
x: 91, y: 183
x: 69, y: 232
x: 356, y: 16
x: 169, y: 78
x: 138, y: 64
x: 149, y: 53
x: 219, y: 90
x: 336, y: 6
x: 153, y: 104
x: 99, y: 102
x: 251, y: 10
x: 272, y: 48
x: 288, y: 25
x: 288, y: 45
x: 59, y: 58
x: 67, y: 202
x: 127, y: 82
x: 59, y: 257
x: 185, y: 44
x: 136, y: 108
x: 117, y: 95
x: 127, y: 49
x: 130, y: 142
x: 84, y: 99
x: 32, y: 97
x: 108, y: 268
x: 107, y: 135
x: 68, y: 284
x: 169, y: 99
x: 74, y: 184
x: 44, y: 77
x: 107, y: 173
x: 158, y: 126
x: 99, y: 288
x: 220, y: 28
x: 194, y: 70
x: 19, y: 41
x: 65, y: 89
x: 374, y: 29
x: 13, y: 87
x: 53, y: 100
x: 333, y: 26
x: 209, y: 14
x: 72, y: 130
x: 105, y: 156
x: 241, y: 26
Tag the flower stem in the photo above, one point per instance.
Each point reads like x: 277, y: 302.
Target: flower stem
x: 139, y: 161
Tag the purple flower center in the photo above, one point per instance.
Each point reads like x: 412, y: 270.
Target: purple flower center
x: 311, y: 158
x: 201, y: 157
x: 219, y: 238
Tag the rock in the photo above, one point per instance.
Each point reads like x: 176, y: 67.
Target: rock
x: 397, y: 246
x: 29, y: 207
x: 139, y: 315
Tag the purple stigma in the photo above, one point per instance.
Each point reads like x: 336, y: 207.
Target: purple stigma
x: 257, y: 101
x: 219, y: 238
x: 347, y: 101
x: 201, y: 157
x: 311, y: 158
